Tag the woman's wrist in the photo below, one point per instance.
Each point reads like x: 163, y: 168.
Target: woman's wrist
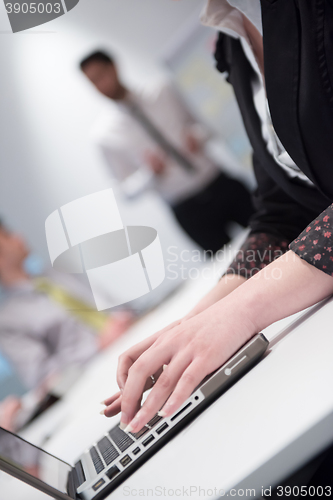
x: 236, y: 317
x: 224, y: 287
x: 286, y: 286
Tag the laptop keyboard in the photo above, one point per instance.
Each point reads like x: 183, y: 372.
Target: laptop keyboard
x: 98, y: 464
x: 154, y: 421
x: 108, y: 451
x: 118, y: 439
x: 140, y: 433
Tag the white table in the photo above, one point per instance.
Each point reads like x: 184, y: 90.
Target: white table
x: 271, y: 422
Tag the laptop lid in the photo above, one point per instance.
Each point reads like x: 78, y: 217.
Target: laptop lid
x: 36, y: 467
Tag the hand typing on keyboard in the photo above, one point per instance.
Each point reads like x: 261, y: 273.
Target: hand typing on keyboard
x: 191, y: 349
x: 110, y: 447
x: 113, y: 404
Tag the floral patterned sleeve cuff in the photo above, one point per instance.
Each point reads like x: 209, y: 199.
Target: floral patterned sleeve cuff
x: 258, y: 250
x: 315, y: 243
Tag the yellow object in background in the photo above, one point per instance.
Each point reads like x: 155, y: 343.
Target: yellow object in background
x: 78, y: 308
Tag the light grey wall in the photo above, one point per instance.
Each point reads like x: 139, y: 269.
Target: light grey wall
x: 47, y: 108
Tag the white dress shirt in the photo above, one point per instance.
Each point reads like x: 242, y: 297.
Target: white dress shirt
x: 225, y: 15
x: 124, y: 142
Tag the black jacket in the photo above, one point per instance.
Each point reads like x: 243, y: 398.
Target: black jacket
x: 298, y: 59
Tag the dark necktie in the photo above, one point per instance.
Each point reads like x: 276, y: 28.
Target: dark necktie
x: 159, y: 138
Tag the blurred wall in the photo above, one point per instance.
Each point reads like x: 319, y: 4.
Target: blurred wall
x: 47, y: 108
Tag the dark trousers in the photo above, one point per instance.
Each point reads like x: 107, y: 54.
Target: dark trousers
x: 205, y: 215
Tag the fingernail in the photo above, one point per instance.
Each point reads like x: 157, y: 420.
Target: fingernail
x: 167, y: 409
x: 102, y: 412
x: 128, y: 428
x: 102, y: 402
x: 135, y: 425
x: 124, y: 421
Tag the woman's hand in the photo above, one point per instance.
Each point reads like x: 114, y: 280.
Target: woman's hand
x: 222, y: 289
x: 191, y: 350
x: 195, y: 347
x: 113, y: 403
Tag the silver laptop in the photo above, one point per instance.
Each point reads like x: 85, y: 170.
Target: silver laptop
x: 108, y: 462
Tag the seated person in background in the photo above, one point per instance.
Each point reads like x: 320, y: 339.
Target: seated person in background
x: 47, y: 324
x: 153, y: 141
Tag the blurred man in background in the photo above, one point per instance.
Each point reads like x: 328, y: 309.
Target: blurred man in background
x: 153, y: 141
x: 47, y: 324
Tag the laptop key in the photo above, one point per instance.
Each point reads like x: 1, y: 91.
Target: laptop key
x: 154, y: 421
x: 108, y: 451
x: 140, y: 433
x: 121, y: 439
x: 98, y: 464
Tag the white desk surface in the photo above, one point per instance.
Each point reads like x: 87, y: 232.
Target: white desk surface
x: 268, y: 424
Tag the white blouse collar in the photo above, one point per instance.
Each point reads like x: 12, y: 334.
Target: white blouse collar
x: 251, y: 9
x: 225, y: 15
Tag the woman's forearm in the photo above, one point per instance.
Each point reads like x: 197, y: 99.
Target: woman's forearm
x: 286, y: 286
x: 226, y: 285
x: 198, y: 346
